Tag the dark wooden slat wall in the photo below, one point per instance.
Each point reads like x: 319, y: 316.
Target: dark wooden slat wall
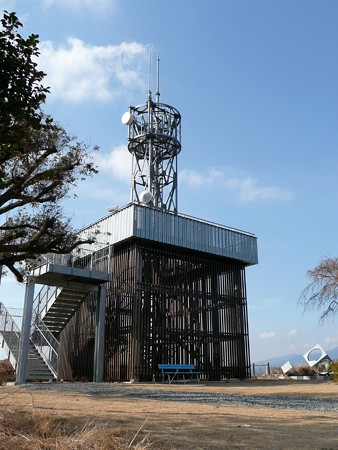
x: 164, y: 305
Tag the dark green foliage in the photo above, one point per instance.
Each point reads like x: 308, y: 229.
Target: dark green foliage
x: 39, y: 161
x: 21, y: 91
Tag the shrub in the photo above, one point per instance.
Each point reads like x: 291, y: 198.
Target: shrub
x: 333, y: 370
x: 6, y: 371
x: 305, y: 370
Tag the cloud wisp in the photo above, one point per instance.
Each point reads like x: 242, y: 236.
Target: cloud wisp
x: 78, y: 72
x: 96, y: 6
x: 247, y: 189
x: 292, y: 334
x: 117, y: 163
x: 273, y: 335
x: 268, y: 335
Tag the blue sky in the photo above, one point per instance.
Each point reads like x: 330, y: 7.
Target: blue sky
x: 256, y: 84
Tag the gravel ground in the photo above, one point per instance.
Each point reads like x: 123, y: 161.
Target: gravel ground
x: 325, y: 405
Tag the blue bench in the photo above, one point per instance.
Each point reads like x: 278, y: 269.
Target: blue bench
x: 171, y: 372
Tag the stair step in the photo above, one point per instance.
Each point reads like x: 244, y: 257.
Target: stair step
x: 61, y: 309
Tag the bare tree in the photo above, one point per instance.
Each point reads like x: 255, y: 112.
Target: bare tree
x: 322, y: 292
x: 39, y: 162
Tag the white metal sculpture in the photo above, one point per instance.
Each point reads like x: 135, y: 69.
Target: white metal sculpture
x: 318, y: 359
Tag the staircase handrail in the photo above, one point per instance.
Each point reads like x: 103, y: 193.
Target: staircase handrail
x: 43, y: 301
x: 46, y: 344
x: 42, y: 338
x: 95, y: 258
x: 7, y: 323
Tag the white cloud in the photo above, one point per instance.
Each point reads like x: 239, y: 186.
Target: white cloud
x: 268, y: 335
x: 249, y: 190
x: 292, y: 333
x: 117, y: 162
x: 193, y: 178
x: 78, y: 71
x: 98, y: 6
x: 246, y: 188
x: 331, y: 341
x: 273, y: 335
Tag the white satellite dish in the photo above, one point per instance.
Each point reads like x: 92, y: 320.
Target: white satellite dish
x: 112, y: 208
x: 146, y: 197
x: 127, y: 118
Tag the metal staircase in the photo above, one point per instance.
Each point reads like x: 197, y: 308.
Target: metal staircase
x: 67, y: 281
x: 59, y: 307
x: 52, y: 310
x: 38, y: 366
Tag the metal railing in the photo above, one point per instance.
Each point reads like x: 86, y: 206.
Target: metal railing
x: 43, y: 301
x: 260, y: 369
x: 46, y: 344
x: 41, y: 337
x: 10, y: 332
x: 96, y: 259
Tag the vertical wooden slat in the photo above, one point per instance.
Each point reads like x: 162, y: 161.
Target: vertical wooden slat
x: 165, y: 304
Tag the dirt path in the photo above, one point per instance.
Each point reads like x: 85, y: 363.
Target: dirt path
x: 177, y: 425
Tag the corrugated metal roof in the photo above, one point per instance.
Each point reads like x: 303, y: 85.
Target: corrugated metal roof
x: 149, y: 223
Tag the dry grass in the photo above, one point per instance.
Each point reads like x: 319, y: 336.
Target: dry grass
x: 305, y: 370
x: 28, y: 430
x: 74, y: 420
x: 6, y: 371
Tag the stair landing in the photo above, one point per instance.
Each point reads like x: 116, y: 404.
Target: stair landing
x: 52, y: 274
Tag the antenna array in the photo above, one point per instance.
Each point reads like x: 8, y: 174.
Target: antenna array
x: 154, y: 140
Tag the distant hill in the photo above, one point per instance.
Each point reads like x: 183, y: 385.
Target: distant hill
x: 295, y: 359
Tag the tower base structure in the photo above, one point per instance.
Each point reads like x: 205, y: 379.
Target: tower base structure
x: 177, y: 295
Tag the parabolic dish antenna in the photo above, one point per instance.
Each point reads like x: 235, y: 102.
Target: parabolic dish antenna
x: 146, y: 197
x: 127, y: 118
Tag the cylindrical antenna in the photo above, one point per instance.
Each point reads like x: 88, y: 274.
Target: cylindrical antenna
x: 158, y: 78
x: 149, y: 75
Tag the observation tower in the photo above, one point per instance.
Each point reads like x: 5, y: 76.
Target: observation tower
x: 178, y: 289
x: 175, y: 290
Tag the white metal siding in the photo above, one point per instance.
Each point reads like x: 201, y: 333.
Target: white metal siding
x: 156, y: 225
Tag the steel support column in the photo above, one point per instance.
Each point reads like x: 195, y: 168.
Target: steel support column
x: 98, y: 375
x: 21, y: 374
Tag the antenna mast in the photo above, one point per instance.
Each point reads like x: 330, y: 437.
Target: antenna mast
x: 158, y: 79
x: 154, y: 140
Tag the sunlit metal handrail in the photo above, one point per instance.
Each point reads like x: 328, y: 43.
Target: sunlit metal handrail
x: 44, y: 299
x: 96, y: 258
x: 10, y: 331
x: 46, y: 344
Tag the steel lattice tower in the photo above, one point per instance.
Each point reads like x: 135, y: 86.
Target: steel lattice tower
x: 154, y: 141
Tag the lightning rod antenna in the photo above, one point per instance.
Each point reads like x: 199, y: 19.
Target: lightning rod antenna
x: 149, y: 75
x: 158, y: 78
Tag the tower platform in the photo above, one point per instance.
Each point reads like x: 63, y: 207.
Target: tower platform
x: 166, y: 227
